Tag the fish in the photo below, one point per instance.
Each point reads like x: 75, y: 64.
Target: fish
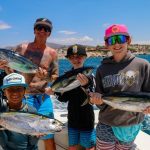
x: 29, y: 123
x: 18, y: 62
x: 68, y: 81
x: 128, y: 101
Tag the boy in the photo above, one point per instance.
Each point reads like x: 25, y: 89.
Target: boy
x: 14, y: 87
x: 117, y: 129
x: 80, y: 118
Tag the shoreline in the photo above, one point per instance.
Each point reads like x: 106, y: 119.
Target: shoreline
x: 61, y: 55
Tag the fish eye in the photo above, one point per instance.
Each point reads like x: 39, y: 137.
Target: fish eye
x: 54, y: 122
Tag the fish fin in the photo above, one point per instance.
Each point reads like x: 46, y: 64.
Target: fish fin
x: 88, y: 97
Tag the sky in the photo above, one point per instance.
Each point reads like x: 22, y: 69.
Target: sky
x: 74, y: 21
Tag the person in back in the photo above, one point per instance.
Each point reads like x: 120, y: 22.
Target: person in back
x: 46, y: 59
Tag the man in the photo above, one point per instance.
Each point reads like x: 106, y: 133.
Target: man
x: 46, y: 58
x: 14, y: 87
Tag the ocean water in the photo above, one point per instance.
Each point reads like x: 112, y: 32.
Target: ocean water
x: 64, y: 66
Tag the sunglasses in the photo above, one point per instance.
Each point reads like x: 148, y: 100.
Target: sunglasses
x: 120, y: 39
x: 40, y: 27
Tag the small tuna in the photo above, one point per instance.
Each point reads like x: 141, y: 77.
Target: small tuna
x: 68, y: 81
x: 29, y: 123
x: 128, y: 101
x: 18, y: 62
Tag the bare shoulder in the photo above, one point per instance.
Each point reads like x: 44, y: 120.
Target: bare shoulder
x: 22, y: 47
x: 52, y: 52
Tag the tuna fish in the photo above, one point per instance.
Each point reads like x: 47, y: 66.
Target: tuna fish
x: 68, y: 81
x: 29, y: 123
x: 18, y: 62
x: 128, y: 101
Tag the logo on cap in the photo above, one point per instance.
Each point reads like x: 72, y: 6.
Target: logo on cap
x: 115, y: 29
x: 14, y: 80
x: 75, y: 49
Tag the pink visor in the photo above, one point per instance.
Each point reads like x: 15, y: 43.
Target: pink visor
x: 116, y: 29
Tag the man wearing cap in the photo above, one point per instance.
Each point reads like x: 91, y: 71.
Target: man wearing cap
x: 117, y: 129
x: 14, y: 87
x: 46, y: 58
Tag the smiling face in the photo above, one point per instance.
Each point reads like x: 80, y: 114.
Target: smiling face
x: 77, y: 60
x: 118, y: 46
x: 14, y: 95
x: 42, y: 32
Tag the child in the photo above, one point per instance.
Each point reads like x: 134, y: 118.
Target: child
x: 14, y: 87
x: 80, y: 118
x: 117, y: 129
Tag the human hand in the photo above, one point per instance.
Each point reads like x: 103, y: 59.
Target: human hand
x: 4, y: 66
x: 96, y: 98
x: 49, y: 91
x: 147, y: 110
x: 82, y: 79
x: 40, y: 135
x: 41, y: 73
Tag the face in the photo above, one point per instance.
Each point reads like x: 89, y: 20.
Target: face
x: 14, y: 94
x: 77, y: 60
x: 118, y: 44
x: 42, y: 31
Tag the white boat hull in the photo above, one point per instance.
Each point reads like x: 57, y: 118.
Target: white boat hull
x: 61, y: 138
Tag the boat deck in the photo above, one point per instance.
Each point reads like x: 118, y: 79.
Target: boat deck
x: 142, y: 140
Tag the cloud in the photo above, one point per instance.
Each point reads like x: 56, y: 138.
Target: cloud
x: 80, y: 40
x: 4, y: 26
x: 67, y: 32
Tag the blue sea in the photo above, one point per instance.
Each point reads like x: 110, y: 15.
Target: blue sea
x: 64, y: 66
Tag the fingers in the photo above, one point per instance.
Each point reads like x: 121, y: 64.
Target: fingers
x: 41, y: 73
x: 147, y: 110
x: 49, y: 91
x: 83, y: 79
x: 96, y: 98
x: 3, y: 64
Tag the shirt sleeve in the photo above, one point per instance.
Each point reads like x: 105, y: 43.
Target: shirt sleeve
x: 146, y: 74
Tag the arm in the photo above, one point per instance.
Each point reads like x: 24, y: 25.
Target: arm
x: 53, y: 68
x: 96, y: 98
x: 146, y: 83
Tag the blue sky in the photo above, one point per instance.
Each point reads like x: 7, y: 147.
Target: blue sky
x: 74, y: 21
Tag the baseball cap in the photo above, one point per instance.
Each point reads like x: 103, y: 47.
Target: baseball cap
x: 13, y: 79
x: 44, y: 22
x: 116, y: 29
x: 76, y: 50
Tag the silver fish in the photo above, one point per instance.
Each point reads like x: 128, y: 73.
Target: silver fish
x: 29, y: 123
x: 18, y: 62
x: 128, y: 101
x: 68, y: 81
